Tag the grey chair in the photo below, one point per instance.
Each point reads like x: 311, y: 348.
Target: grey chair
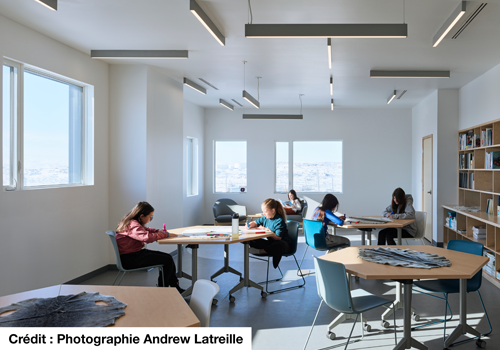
x: 111, y: 235
x: 420, y: 219
x: 300, y: 216
x: 224, y: 209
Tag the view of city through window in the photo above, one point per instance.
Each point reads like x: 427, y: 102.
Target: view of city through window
x: 230, y: 166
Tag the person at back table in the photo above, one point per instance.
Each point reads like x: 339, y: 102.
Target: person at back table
x: 295, y: 206
x: 131, y: 237
x: 401, y: 208
x: 324, y: 213
x: 274, y: 220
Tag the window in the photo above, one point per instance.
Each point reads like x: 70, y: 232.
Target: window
x: 46, y: 130
x: 230, y: 166
x: 317, y: 166
x: 282, y: 168
x: 192, y: 166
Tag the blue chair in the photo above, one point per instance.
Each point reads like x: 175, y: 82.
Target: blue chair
x: 453, y: 286
x: 293, y: 232
x: 333, y: 289
x: 315, y: 238
x: 111, y: 235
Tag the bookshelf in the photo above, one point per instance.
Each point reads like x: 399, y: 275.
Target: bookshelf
x: 478, y: 183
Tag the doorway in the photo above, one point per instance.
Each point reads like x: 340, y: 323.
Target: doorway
x: 427, y: 190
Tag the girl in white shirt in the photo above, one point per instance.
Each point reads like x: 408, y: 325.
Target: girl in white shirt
x: 295, y: 206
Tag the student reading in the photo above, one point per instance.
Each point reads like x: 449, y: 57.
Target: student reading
x: 131, y: 237
x: 324, y: 213
x: 274, y: 220
x: 401, y: 208
x: 294, y: 207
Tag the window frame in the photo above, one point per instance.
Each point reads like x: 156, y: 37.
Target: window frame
x: 87, y: 130
x: 192, y: 187
x: 291, y: 164
x: 214, y: 165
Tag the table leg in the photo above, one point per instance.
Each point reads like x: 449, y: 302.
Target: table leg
x: 400, y: 236
x: 463, y: 327
x: 180, y: 273
x: 247, y: 282
x: 226, y: 267
x: 194, y: 270
x: 408, y: 342
x: 398, y: 302
x: 363, y: 237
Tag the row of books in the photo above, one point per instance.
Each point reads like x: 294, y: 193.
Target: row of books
x: 479, y: 232
x: 489, y: 268
x: 466, y: 161
x: 470, y: 140
x: 492, y: 160
x: 466, y: 180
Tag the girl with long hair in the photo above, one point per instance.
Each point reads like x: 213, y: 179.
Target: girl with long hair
x: 274, y: 219
x: 295, y: 206
x: 401, y: 208
x: 325, y: 213
x: 131, y: 237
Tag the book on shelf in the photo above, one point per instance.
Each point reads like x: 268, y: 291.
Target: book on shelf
x: 492, y: 160
x: 477, y: 140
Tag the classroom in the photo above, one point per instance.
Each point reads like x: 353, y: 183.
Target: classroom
x: 162, y: 109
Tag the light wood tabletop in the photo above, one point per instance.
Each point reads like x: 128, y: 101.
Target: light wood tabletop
x: 395, y: 223
x: 146, y: 306
x: 463, y: 265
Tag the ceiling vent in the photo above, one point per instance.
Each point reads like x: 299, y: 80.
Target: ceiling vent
x: 464, y: 23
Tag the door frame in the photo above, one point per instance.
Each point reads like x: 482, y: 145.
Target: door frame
x: 432, y: 177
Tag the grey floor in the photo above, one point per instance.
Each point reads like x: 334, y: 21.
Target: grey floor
x: 283, y: 321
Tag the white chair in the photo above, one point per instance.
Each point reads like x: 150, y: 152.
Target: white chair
x: 204, y: 292
x: 420, y: 219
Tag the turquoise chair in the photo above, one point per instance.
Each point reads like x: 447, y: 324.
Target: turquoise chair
x: 315, y: 238
x: 333, y: 289
x: 293, y: 232
x: 453, y: 286
x: 111, y: 235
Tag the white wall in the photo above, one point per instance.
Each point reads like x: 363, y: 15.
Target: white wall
x: 376, y: 147
x: 194, y: 125
x: 54, y: 235
x: 479, y: 100
x: 437, y: 115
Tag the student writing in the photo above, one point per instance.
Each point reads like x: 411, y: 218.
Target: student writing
x: 295, y: 206
x: 324, y: 213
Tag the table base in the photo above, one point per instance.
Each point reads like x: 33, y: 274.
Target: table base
x: 180, y: 273
x: 194, y: 268
x: 408, y: 342
x: 246, y: 279
x: 226, y: 267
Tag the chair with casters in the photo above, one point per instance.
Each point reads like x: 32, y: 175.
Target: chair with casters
x: 203, y: 294
x: 315, y: 238
x: 111, y: 235
x: 293, y: 232
x: 420, y: 220
x: 333, y: 289
x: 224, y: 209
x: 449, y: 286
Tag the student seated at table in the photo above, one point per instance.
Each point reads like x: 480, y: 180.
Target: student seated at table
x: 274, y: 220
x: 401, y: 208
x: 131, y: 237
x: 324, y: 213
x: 294, y: 205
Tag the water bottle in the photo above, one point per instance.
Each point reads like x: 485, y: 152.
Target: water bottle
x: 236, y: 226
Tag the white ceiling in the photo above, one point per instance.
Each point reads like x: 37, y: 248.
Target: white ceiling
x: 288, y: 67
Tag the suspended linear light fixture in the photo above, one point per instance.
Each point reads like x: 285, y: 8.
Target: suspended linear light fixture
x: 449, y: 23
x: 409, y: 74
x: 250, y: 99
x: 331, y: 85
x: 195, y: 86
x: 50, y: 4
x: 226, y: 104
x: 273, y: 116
x: 332, y: 104
x: 239, y: 104
x: 390, y: 98
x: 197, y: 11
x: 130, y: 54
x: 329, y: 45
x: 344, y: 30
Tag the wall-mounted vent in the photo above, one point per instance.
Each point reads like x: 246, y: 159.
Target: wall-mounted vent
x: 206, y: 82
x: 401, y: 94
x: 469, y: 19
x: 239, y: 104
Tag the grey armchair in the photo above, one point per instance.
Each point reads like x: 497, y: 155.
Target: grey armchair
x: 224, y: 209
x: 301, y: 215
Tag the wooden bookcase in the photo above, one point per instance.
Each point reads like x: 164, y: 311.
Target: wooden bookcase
x: 486, y: 186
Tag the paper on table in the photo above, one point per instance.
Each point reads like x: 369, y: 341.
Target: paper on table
x: 369, y: 219
x: 196, y: 232
x: 253, y: 231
